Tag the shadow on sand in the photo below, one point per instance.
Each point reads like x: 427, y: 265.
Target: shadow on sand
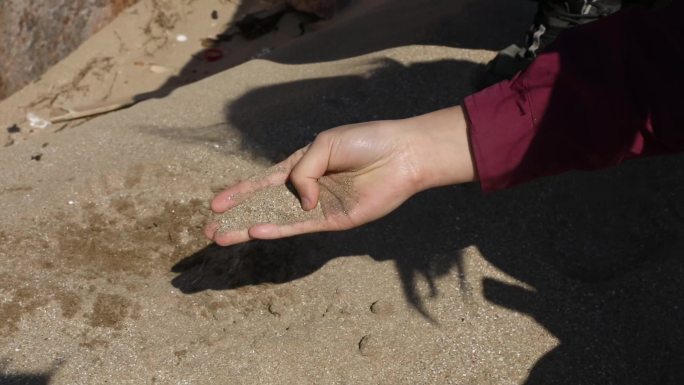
x: 603, y: 251
x: 445, y: 26
x: 24, y: 379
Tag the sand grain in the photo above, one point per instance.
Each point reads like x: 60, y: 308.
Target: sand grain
x: 276, y: 204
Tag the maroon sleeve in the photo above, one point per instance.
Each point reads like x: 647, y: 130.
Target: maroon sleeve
x: 602, y: 93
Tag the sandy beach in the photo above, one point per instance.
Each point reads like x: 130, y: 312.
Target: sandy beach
x: 105, y: 276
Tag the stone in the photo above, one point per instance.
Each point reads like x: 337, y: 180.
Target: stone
x: 35, y: 34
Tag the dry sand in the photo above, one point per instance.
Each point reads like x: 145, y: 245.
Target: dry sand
x: 281, y: 204
x: 106, y: 277
x: 139, y: 56
x: 276, y: 204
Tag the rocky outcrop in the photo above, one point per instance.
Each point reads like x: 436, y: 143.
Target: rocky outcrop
x: 35, y: 34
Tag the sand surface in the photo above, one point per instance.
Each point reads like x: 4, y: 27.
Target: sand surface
x: 106, y: 277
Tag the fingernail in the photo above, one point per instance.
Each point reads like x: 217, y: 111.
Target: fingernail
x: 306, y: 203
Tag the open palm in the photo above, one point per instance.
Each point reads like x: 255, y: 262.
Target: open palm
x: 358, y: 173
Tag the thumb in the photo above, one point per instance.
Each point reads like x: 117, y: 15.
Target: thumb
x: 306, y: 172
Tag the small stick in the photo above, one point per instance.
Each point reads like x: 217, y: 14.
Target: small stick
x: 96, y: 110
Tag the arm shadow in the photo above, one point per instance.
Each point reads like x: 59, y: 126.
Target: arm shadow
x: 602, y: 250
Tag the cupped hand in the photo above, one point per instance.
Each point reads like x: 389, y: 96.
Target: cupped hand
x: 358, y: 173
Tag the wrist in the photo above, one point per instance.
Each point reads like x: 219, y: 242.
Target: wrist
x: 443, y: 150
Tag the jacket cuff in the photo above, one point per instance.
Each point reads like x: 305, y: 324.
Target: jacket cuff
x: 500, y: 124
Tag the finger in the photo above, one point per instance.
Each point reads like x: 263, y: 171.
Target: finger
x: 273, y: 231
x: 305, y: 174
x: 235, y: 194
x: 231, y: 237
x: 210, y: 229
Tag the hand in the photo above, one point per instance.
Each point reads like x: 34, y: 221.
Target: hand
x: 360, y: 173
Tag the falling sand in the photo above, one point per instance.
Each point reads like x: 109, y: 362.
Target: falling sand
x: 277, y: 204
x: 281, y: 205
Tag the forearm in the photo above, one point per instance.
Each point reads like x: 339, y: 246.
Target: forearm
x: 602, y: 93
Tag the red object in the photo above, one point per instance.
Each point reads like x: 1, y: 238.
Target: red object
x: 600, y: 94
x: 213, y: 54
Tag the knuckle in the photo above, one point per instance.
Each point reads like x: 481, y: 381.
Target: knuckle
x: 299, y: 180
